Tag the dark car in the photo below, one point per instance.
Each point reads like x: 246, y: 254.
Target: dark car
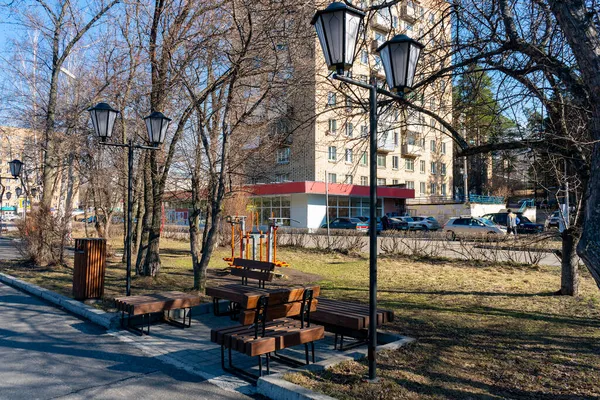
x: 524, y: 226
x: 379, y: 222
x: 348, y: 223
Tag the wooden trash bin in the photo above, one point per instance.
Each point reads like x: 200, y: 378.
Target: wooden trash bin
x: 90, y: 264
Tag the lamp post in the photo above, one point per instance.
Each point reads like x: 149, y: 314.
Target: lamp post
x: 337, y: 28
x: 103, y: 119
x: 15, y: 167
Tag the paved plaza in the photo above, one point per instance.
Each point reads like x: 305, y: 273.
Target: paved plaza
x: 46, y: 353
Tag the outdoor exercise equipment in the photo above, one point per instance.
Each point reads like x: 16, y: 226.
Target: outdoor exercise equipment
x: 254, y: 244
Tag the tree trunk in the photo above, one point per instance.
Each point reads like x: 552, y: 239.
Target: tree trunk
x: 152, y: 264
x: 569, y: 281
x: 196, y: 250
x: 578, y: 24
x: 145, y: 234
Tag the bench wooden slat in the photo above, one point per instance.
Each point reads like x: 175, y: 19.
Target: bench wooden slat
x: 347, y: 315
x: 156, y: 302
x: 278, y: 311
x: 247, y: 273
x: 253, y: 264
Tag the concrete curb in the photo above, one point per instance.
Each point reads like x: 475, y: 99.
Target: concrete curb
x: 276, y: 387
x: 98, y: 317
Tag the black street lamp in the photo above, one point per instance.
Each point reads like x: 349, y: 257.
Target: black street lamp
x: 337, y: 28
x: 103, y: 119
x: 15, y: 168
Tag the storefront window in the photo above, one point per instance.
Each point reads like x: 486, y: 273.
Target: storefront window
x: 267, y: 207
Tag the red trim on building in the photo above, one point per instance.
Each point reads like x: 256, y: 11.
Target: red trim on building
x: 336, y: 189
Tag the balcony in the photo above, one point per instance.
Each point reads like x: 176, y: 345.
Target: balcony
x: 382, y: 22
x: 385, y: 144
x: 410, y: 150
x: 409, y: 14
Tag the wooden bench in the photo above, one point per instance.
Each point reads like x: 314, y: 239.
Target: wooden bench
x: 259, y: 271
x: 147, y: 304
x: 271, y: 330
x: 347, y: 319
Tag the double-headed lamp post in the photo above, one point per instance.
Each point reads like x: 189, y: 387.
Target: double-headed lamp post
x: 337, y: 28
x: 103, y: 119
x: 15, y: 167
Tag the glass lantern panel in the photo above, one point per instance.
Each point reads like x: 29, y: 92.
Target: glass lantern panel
x: 398, y: 55
x: 333, y: 25
x: 352, y: 27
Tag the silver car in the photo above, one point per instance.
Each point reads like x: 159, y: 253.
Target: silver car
x: 472, y: 227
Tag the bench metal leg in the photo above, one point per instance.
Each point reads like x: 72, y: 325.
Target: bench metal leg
x: 187, y: 314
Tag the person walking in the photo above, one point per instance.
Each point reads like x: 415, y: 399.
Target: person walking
x: 511, y: 223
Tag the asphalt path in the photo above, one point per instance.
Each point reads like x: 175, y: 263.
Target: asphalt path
x: 46, y: 353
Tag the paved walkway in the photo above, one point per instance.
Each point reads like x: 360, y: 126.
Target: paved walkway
x: 192, y: 350
x: 46, y: 353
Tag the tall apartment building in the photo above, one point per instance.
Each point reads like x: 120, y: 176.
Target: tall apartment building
x: 326, y: 131
x: 13, y: 144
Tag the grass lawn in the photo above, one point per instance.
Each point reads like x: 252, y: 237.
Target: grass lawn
x: 483, y: 331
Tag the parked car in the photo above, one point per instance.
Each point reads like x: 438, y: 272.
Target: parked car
x: 88, y: 220
x: 524, y: 226
x: 394, y: 223
x: 10, y: 217
x: 472, y: 227
x: 553, y: 220
x: 348, y: 223
x: 429, y: 223
x: 412, y: 224
x: 379, y: 223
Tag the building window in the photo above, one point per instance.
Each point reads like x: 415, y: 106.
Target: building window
x: 331, y: 99
x: 422, y: 188
x: 283, y: 155
x: 266, y: 207
x: 380, y: 38
x: 348, y: 155
x: 395, y: 162
x: 395, y: 22
x: 396, y: 139
x: 423, y: 143
x: 409, y: 27
x: 410, y: 184
x: 377, y: 65
x: 380, y: 181
x: 364, y: 159
x: 348, y: 179
x: 349, y: 129
x: 433, y: 167
x: 433, y: 189
x: 443, y: 168
x: 332, y: 126
x: 381, y: 160
x: 282, y: 178
x: 332, y: 178
x: 395, y: 181
x: 409, y: 164
x: 443, y: 189
x: 349, y: 104
x: 432, y: 146
x: 364, y: 57
x: 363, y: 131
x: 443, y: 148
x: 364, y: 180
x: 332, y: 153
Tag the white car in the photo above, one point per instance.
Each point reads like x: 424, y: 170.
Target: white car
x: 472, y: 227
x: 413, y: 225
x: 430, y: 223
x: 10, y: 217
